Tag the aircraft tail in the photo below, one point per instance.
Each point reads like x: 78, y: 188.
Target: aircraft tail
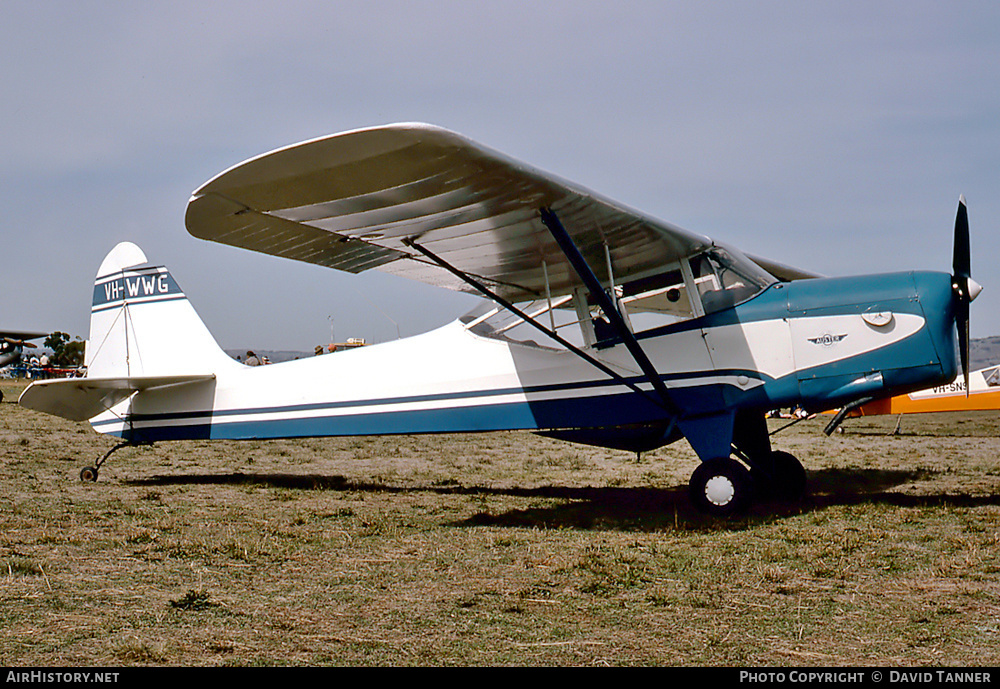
x: 142, y: 325
x: 144, y: 335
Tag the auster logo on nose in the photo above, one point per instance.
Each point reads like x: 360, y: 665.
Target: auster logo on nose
x: 827, y: 340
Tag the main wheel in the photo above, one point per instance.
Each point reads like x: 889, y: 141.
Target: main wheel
x: 789, y: 483
x: 721, y: 487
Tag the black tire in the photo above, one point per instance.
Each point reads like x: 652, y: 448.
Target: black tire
x: 88, y: 474
x: 789, y: 483
x: 721, y: 487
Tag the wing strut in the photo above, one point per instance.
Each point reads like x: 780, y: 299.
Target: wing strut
x: 487, y: 292
x: 579, y: 263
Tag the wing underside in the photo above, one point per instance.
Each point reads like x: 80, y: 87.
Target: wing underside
x: 355, y: 201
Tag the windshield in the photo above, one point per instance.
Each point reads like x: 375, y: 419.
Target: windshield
x: 726, y: 278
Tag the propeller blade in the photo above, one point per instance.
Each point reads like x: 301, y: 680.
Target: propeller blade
x: 962, y: 321
x: 961, y: 262
x: 965, y: 288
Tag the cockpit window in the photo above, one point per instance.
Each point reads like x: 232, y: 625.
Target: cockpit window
x: 664, y: 293
x: 491, y: 320
x: 725, y: 278
x: 992, y: 376
x: 719, y: 278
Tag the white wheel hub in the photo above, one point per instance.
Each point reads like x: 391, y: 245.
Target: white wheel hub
x: 720, y: 490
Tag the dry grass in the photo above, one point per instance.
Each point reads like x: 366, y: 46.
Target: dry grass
x: 499, y: 549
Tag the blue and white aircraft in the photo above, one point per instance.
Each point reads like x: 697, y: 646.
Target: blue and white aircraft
x: 602, y: 325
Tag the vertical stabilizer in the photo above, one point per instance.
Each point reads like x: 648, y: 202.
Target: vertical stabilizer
x: 141, y: 324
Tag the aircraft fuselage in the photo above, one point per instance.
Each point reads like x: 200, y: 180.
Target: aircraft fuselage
x: 819, y: 343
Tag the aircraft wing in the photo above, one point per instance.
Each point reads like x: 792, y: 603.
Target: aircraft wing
x: 79, y: 399
x: 20, y: 335
x: 349, y: 201
x: 782, y: 271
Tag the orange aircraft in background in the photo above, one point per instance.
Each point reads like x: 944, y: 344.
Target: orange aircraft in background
x: 983, y: 395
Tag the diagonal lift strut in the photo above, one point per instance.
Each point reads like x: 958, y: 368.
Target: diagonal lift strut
x: 604, y: 300
x: 662, y: 401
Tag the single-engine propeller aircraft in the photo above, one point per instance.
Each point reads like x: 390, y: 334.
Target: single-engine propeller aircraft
x: 12, y: 344
x: 979, y: 392
x: 602, y: 325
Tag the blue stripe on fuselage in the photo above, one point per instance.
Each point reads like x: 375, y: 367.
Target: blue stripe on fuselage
x: 562, y: 413
x: 652, y: 410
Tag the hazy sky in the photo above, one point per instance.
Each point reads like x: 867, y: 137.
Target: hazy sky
x: 832, y: 136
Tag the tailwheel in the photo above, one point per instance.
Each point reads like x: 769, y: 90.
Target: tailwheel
x: 88, y: 474
x: 789, y: 478
x: 721, y: 487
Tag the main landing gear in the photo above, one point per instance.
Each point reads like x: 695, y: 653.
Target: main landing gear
x: 727, y: 486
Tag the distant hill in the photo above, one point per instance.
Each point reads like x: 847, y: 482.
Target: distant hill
x: 984, y: 351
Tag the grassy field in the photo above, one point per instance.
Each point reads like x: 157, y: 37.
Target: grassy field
x: 498, y: 549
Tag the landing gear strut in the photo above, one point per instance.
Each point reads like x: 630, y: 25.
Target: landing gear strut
x: 724, y: 486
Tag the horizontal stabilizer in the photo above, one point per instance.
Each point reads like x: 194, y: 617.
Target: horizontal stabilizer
x: 79, y: 399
